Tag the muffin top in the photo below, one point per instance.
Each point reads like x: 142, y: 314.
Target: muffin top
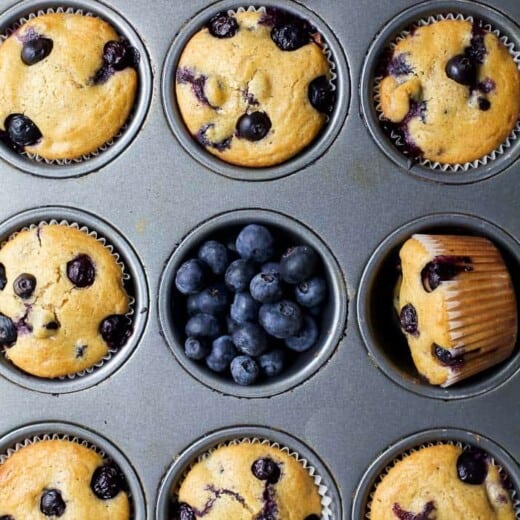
x: 248, y: 482
x: 68, y: 85
x: 451, y: 91
x: 60, y: 478
x: 62, y: 301
x: 253, y: 87
x: 443, y: 482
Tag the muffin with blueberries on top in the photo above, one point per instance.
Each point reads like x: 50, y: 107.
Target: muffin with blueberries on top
x: 254, y: 87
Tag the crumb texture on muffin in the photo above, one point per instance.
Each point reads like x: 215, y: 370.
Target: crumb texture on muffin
x: 451, y: 91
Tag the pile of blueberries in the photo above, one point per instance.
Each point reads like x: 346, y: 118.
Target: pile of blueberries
x: 250, y: 310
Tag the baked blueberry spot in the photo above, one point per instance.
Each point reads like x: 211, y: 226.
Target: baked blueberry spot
x: 273, y: 16
x: 291, y: 35
x: 185, y: 75
x: 202, y: 138
x: 117, y: 55
x: 444, y: 268
x: 107, y: 481
x: 6, y: 517
x: 266, y: 469
x: 406, y: 515
x: 312, y: 517
x: 222, y: 25
x: 254, y: 126
x: 24, y: 285
x: 22, y: 326
x: 486, y: 86
x: 20, y: 131
x: 483, y: 104
x: 115, y: 330
x: 461, y: 69
x: 398, y: 66
x: 270, y: 507
x: 52, y: 503
x: 80, y: 351
x: 215, y: 495
x: 81, y: 271
x: 249, y: 98
x: 36, y: 50
x: 52, y: 325
x: 8, y: 332
x: 472, y: 466
x: 408, y: 320
x: 3, y: 277
x: 182, y: 511
x: 476, y: 51
x: 446, y: 358
x: 321, y: 95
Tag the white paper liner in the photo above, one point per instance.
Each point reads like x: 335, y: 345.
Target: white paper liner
x: 319, y: 481
x: 104, y: 147
x: 434, y: 165
x: 513, y: 493
x: 125, y: 277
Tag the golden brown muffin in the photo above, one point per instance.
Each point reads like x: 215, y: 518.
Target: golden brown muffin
x: 249, y: 482
x: 60, y: 478
x: 443, y: 483
x: 457, y: 306
x: 62, y: 301
x: 74, y: 91
x: 243, y: 97
x: 451, y: 91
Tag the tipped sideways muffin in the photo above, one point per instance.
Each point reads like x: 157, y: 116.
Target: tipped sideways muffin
x: 60, y: 478
x: 254, y: 88
x: 248, y: 482
x: 442, y: 482
x: 68, y: 85
x: 450, y: 91
x: 456, y: 305
x: 62, y: 301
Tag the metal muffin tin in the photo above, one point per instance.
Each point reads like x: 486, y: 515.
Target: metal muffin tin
x: 344, y: 191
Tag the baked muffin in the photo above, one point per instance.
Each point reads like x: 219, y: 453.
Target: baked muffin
x: 451, y: 91
x: 248, y: 482
x: 443, y: 482
x: 68, y: 85
x: 62, y: 301
x: 457, y: 306
x: 60, y: 478
x: 254, y: 88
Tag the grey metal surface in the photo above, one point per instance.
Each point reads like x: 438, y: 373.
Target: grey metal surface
x: 352, y: 197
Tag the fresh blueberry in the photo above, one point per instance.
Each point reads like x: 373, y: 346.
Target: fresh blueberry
x: 254, y: 126
x: 182, y: 511
x: 115, y: 330
x: 321, y: 95
x: 446, y: 358
x: 107, y: 481
x: 315, y: 311
x: 311, y: 292
x: 222, y: 352
x: 472, y: 466
x: 256, y: 243
x: 196, y: 348
x: 305, y: 338
x: 212, y: 300
x: 203, y: 325
x: 24, y: 285
x: 251, y: 339
x: 81, y: 271
x: 52, y: 503
x: 408, y: 319
x: 231, y: 325
x: 21, y: 131
x: 484, y: 104
x: 36, y: 50
x: 244, y: 370
x: 461, y: 69
x: 8, y: 334
x: 270, y: 268
x: 192, y: 304
x: 298, y: 263
x: 292, y: 35
x: 3, y: 277
x: 266, y: 287
x: 215, y: 255
x: 282, y: 319
x: 443, y: 268
x: 222, y: 26
x: 266, y: 469
x: 191, y: 277
x: 244, y: 308
x: 239, y: 274
x: 272, y: 363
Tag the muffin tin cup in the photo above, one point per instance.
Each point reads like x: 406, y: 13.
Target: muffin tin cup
x: 420, y: 15
x: 398, y: 451
x: 387, y: 345
x: 333, y: 321
x: 313, y: 152
x: 65, y: 168
x: 200, y: 449
x: 32, y: 433
x: 133, y: 276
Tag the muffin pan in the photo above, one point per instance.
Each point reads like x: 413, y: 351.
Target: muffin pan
x: 345, y: 196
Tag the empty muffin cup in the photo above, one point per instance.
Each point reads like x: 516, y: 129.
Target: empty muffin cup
x: 236, y: 119
x: 398, y: 95
x: 60, y: 150
x: 282, y: 456
x: 45, y: 304
x: 175, y: 307
x: 379, y: 321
